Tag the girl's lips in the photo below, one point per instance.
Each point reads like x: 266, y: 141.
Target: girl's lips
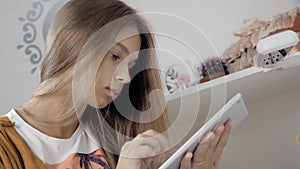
x: 113, y: 93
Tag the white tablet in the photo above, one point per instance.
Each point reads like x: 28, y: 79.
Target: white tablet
x: 235, y: 109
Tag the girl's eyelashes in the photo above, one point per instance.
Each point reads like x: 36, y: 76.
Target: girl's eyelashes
x: 115, y: 57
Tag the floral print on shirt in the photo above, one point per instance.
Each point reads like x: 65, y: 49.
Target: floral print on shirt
x: 94, y: 160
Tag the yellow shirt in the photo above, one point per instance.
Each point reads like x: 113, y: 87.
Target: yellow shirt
x: 14, y: 153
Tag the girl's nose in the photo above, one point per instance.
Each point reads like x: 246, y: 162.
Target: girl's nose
x: 123, y: 75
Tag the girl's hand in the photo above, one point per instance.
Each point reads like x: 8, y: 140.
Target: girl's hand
x: 139, y: 152
x: 208, y: 153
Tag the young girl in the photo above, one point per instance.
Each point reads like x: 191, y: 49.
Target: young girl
x: 98, y: 104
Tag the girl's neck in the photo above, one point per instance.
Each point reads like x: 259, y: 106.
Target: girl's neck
x: 51, y: 116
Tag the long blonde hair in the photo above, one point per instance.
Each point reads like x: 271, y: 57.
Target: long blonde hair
x: 71, y: 29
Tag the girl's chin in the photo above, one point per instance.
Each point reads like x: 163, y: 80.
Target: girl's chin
x: 103, y: 103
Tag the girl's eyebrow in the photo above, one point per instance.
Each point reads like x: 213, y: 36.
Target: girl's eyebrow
x: 123, y: 47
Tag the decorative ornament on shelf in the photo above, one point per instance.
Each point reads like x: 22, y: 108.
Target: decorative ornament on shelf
x: 240, y: 55
x: 177, y: 78
x: 212, y: 68
x: 273, y: 49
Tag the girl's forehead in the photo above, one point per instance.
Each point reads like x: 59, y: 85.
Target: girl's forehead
x: 126, y: 32
x: 129, y: 46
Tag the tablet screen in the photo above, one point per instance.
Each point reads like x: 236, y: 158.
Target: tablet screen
x: 235, y: 109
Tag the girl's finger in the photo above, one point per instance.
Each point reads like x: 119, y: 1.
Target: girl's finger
x: 162, y: 140
x: 186, y: 161
x: 200, y: 152
x: 222, y: 142
x: 213, y: 144
x: 224, y: 137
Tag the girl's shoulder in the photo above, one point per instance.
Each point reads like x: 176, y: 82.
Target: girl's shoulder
x: 15, y: 153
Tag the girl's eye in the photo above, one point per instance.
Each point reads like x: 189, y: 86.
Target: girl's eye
x: 115, y: 57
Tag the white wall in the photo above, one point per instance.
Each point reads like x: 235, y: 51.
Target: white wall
x: 276, y: 120
x: 204, y: 21
x: 17, y: 79
x: 217, y: 20
x: 267, y: 137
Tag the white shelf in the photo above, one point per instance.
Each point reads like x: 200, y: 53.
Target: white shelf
x: 255, y: 84
x: 222, y: 81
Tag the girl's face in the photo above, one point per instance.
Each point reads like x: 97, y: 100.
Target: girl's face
x: 113, y: 72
